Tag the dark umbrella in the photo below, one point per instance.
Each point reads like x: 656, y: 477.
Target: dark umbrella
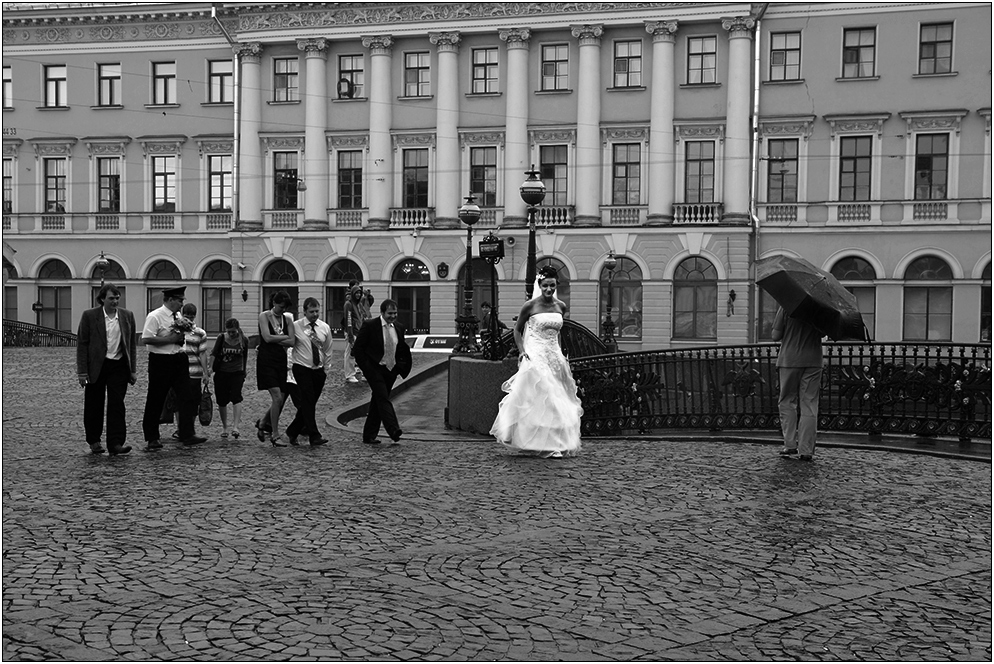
x: 812, y: 295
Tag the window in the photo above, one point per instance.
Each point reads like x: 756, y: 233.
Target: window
x: 935, y: 50
x: 285, y: 79
x: 220, y: 173
x: 781, y: 175
x: 767, y: 314
x: 931, y: 166
x: 220, y: 82
x: 109, y: 184
x: 350, y: 179
x: 56, y: 301
x: 699, y: 173
x: 855, y: 269
x: 483, y: 175
x: 216, y: 307
x: 8, y: 88
x: 854, y: 168
x: 628, y: 64
x: 413, y: 302
x: 928, y: 310
x: 56, y: 86
x: 626, y: 298
x: 284, y: 276
x: 8, y: 186
x: 416, y: 178
x: 164, y: 184
x: 555, y: 67
x: 114, y: 274
x: 109, y: 85
x: 163, y: 83
x: 484, y: 70
x: 337, y: 281
x: 161, y: 270
x: 482, y: 272
x: 55, y: 184
x: 859, y: 53
x: 10, y: 302
x: 985, y: 305
x: 695, y: 300
x: 626, y: 174
x: 785, y: 56
x: 702, y: 56
x: 350, y: 69
x: 417, y: 70
x: 553, y: 164
x: 285, y: 180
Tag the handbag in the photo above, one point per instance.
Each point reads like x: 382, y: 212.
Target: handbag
x: 206, y: 406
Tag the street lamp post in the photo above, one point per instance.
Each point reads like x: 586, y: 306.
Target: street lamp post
x: 103, y: 264
x: 532, y: 193
x: 492, y: 251
x: 467, y: 324
x: 612, y: 344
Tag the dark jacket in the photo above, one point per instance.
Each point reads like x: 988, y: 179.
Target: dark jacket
x: 368, y: 348
x: 91, y: 344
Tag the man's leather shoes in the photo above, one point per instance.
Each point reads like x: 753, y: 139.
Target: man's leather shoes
x: 96, y: 448
x: 118, y: 449
x: 395, y: 436
x: 374, y: 441
x: 154, y: 445
x: 193, y: 440
x: 318, y: 441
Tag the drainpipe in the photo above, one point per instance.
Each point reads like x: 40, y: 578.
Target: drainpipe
x: 236, y: 84
x: 753, y: 295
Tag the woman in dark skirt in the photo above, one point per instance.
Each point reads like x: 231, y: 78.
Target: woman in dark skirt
x: 275, y: 336
x: 230, y: 364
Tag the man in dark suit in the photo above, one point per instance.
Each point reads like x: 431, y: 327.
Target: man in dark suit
x: 382, y: 353
x: 106, y: 365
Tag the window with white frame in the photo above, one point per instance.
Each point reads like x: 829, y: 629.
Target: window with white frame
x: 695, y: 299
x: 626, y: 173
x: 350, y: 179
x: 781, y: 170
x: 417, y: 74
x: 628, y: 63
x: 702, y: 59
x: 286, y: 79
x: 351, y: 76
x: 221, y: 182
x: 484, y: 70
x: 109, y: 84
x: 859, y: 53
x: 8, y: 88
x: 555, y: 66
x: 554, y: 172
x: 931, y: 166
x: 164, y: 183
x: 785, y: 56
x: 163, y: 83
x: 855, y: 168
x: 625, y: 285
x: 285, y: 168
x: 928, y: 307
x: 56, y: 299
x: 56, y: 86
x: 483, y: 175
x: 935, y: 48
x: 215, y: 289
x: 220, y: 82
x: 857, y: 275
x: 109, y: 184
x: 415, y: 178
x: 985, y: 305
x: 699, y: 174
x: 8, y: 185
x: 55, y: 183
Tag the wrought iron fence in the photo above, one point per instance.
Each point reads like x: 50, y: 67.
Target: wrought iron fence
x: 936, y: 389
x: 16, y: 333
x: 575, y: 339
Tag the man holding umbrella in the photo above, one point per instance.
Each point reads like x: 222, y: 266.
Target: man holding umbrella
x: 799, y: 366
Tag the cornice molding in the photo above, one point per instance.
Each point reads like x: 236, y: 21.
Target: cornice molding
x: 799, y: 125
x: 282, y: 142
x: 856, y: 123
x: 482, y: 137
x: 615, y: 134
x: 11, y: 146
x: 215, y: 144
x: 347, y: 141
x: 45, y: 147
x: 698, y: 129
x: 106, y: 145
x: 162, y: 144
x: 552, y: 135
x: 413, y: 140
x: 930, y: 120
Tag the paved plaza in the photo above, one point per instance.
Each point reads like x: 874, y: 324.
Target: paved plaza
x: 448, y: 547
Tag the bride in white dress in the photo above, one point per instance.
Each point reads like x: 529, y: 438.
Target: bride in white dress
x: 541, y: 412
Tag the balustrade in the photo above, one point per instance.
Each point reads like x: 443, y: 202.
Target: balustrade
x: 412, y: 217
x: 697, y: 213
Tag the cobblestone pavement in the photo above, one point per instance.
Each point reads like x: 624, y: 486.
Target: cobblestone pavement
x: 457, y: 550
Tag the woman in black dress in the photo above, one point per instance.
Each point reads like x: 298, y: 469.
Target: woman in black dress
x: 276, y: 334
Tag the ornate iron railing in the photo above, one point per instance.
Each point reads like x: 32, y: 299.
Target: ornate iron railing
x: 576, y: 341
x: 16, y: 333
x: 934, y: 389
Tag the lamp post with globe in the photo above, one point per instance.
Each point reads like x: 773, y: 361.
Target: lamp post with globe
x: 612, y: 344
x: 467, y: 324
x: 532, y: 193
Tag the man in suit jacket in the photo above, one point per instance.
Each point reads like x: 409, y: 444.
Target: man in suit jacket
x: 105, y: 365
x: 382, y: 353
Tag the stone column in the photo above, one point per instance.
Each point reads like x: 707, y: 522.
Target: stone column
x: 738, y: 137
x: 661, y: 179
x: 589, y: 151
x: 379, y: 179
x: 448, y: 186
x: 250, y: 164
x: 315, y: 123
x: 516, y: 152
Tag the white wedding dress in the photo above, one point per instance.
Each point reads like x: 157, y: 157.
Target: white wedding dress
x: 541, y: 411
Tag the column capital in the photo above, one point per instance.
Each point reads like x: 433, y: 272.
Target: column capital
x: 516, y: 37
x: 589, y: 35
x: 445, y: 41
x: 662, y: 31
x: 314, y: 47
x: 739, y: 26
x: 248, y: 51
x: 378, y: 44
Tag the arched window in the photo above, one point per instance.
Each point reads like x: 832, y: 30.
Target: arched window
x: 985, y: 305
x: 413, y: 302
x: 112, y: 274
x: 54, y: 269
x: 857, y: 275
x: 283, y: 277
x: 215, y: 290
x: 337, y: 279
x: 563, y: 289
x: 695, y: 300
x: 626, y: 298
x: 928, y: 309
x: 56, y: 300
x: 161, y: 270
x: 481, y: 286
x: 9, y: 292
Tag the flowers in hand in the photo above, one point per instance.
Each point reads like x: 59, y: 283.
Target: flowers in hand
x: 182, y: 325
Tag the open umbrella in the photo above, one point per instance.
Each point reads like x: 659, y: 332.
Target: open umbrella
x: 812, y: 295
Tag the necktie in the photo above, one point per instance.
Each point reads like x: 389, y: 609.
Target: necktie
x: 389, y: 347
x: 315, y: 348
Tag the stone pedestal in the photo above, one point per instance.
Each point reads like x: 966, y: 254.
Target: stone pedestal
x: 474, y: 392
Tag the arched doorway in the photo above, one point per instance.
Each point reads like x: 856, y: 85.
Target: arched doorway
x: 413, y: 299
x: 337, y: 279
x: 280, y: 275
x: 481, y: 287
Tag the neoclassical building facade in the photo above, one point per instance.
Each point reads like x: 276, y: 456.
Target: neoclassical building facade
x: 264, y: 147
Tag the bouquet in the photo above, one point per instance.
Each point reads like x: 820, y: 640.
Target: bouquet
x: 182, y: 325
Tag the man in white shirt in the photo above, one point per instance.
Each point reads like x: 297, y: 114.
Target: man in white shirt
x: 311, y: 364
x: 167, y: 368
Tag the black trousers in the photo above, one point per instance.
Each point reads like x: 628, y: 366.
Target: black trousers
x: 165, y: 371
x: 380, y: 407
x: 112, y: 383
x: 310, y: 383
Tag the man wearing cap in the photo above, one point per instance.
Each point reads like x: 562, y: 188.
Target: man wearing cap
x: 164, y: 334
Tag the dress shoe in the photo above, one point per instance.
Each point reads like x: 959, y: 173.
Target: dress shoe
x: 293, y: 441
x: 318, y: 441
x: 259, y: 431
x: 805, y: 457
x: 193, y: 440
x: 787, y: 451
x: 118, y: 449
x: 154, y: 445
x: 395, y: 436
x: 374, y: 441
x: 96, y: 448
